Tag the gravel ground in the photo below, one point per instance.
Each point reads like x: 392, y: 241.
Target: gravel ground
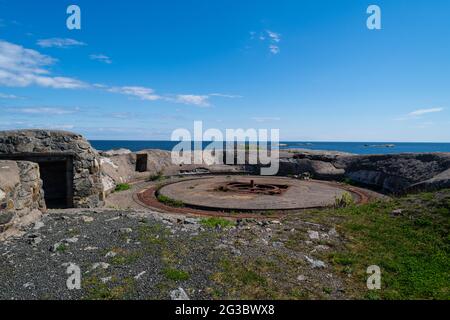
x: 132, y: 254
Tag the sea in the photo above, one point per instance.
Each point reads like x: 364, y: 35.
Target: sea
x: 351, y: 147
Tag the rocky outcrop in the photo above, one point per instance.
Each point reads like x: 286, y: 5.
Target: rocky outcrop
x: 392, y: 173
x: 20, y: 192
x: 119, y: 166
x: 87, y: 182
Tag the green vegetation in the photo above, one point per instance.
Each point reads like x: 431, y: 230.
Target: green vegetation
x: 217, y: 222
x: 124, y: 257
x: 159, y: 176
x: 411, y: 248
x: 344, y: 201
x: 62, y: 248
x: 122, y: 187
x: 260, y: 278
x: 117, y: 290
x: 169, y: 201
x: 175, y: 274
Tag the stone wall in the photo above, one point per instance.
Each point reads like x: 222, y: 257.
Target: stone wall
x: 87, y: 183
x: 20, y: 191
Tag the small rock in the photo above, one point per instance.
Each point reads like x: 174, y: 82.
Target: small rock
x: 235, y: 251
x: 111, y: 254
x: 102, y: 265
x: 190, y: 221
x: 106, y: 279
x: 220, y: 247
x: 315, y: 263
x: 28, y: 285
x: 321, y: 247
x: 71, y: 240
x: 38, y: 225
x: 89, y: 248
x: 333, y: 233
x: 112, y: 219
x: 313, y: 235
x: 140, y: 275
x: 87, y: 219
x: 301, y: 278
x: 397, y: 212
x: 275, y: 222
x: 55, y: 247
x: 179, y: 294
x: 126, y: 230
x: 33, y: 239
x: 277, y: 244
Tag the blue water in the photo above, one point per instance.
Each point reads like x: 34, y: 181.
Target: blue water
x: 352, y: 147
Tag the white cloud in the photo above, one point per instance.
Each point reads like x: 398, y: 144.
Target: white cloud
x: 44, y: 111
x: 139, y: 92
x: 21, y: 67
x: 276, y: 37
x: 101, y: 57
x: 269, y: 37
x: 266, y: 119
x: 197, y: 100
x: 221, y: 95
x: 59, y: 43
x: 421, y: 112
x: 274, y: 49
x: 8, y: 96
x: 61, y: 127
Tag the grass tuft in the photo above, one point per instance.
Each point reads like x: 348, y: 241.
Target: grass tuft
x: 122, y: 187
x: 216, y: 222
x: 175, y: 274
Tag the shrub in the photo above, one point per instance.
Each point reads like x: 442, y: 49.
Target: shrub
x: 344, y: 201
x: 122, y: 187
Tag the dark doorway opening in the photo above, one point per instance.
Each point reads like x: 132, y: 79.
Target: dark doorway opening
x: 56, y: 174
x: 141, y: 162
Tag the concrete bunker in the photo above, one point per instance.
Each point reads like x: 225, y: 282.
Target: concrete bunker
x: 69, y: 167
x: 56, y: 172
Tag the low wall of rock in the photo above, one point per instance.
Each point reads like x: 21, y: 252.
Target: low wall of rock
x: 20, y: 192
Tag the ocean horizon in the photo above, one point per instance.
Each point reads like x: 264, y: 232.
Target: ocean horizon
x: 350, y: 147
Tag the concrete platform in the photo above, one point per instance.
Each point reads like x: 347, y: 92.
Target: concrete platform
x: 215, y: 193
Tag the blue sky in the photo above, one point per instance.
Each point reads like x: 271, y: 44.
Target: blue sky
x: 141, y: 69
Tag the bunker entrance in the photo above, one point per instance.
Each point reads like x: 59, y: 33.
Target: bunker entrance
x: 141, y: 162
x: 57, y: 177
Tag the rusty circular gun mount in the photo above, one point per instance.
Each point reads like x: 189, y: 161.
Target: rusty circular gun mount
x: 246, y: 196
x: 253, y: 188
